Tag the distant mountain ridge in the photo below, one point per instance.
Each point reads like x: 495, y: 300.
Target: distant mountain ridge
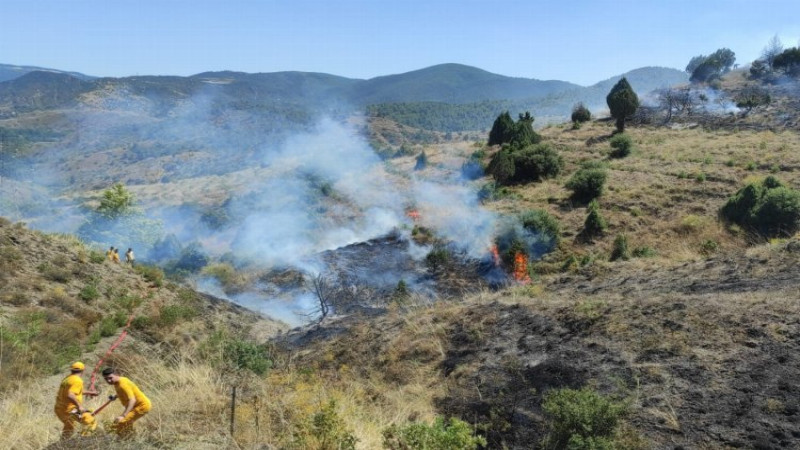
x: 446, y: 83
x: 11, y: 71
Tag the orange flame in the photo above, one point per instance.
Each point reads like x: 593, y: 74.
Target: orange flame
x: 495, y: 255
x: 521, y: 268
x: 414, y: 214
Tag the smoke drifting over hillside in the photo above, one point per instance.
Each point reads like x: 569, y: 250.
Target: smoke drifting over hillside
x: 257, y: 188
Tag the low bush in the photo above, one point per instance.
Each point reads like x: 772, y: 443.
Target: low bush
x: 325, y: 431
x: 595, y: 224
x: 580, y: 420
x: 245, y: 355
x: 172, y: 314
x: 620, y: 250
x: 587, y: 183
x: 643, y: 252
x: 151, y: 274
x: 768, y: 208
x: 542, y: 222
x: 531, y: 163
x: 454, y: 434
x: 621, y: 145
x: 97, y: 257
x: 89, y: 293
x: 438, y: 258
x: 580, y: 113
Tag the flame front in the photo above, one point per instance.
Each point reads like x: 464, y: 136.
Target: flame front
x: 495, y: 255
x: 521, y: 268
x: 414, y: 214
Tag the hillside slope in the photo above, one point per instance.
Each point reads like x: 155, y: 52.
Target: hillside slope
x: 61, y: 301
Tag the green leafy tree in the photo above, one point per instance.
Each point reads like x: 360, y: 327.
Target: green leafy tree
x: 713, y: 66
x: 117, y: 221
x: 116, y: 201
x: 788, y: 61
x: 695, y: 62
x: 622, y: 102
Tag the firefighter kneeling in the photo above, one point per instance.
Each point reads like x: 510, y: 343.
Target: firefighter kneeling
x: 135, y: 403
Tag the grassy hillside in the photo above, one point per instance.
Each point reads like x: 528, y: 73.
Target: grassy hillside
x: 693, y: 339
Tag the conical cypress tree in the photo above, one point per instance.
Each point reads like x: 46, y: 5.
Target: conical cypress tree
x: 622, y: 102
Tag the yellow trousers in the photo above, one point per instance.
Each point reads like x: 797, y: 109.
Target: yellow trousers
x: 124, y: 428
x: 69, y: 420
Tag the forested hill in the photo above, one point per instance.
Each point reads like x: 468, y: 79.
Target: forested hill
x: 445, y: 83
x: 453, y: 83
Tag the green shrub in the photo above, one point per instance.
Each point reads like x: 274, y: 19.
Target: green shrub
x: 587, y: 183
x: 643, y: 252
x: 541, y: 221
x: 526, y: 164
x: 248, y: 356
x: 620, y: 250
x: 709, y: 246
x: 452, y: 435
x: 172, y: 314
x: 580, y: 420
x: 438, y: 258
x: 141, y: 323
x: 536, y: 162
x: 325, y: 431
x: 594, y: 225
x: 501, y: 167
x: 580, y: 113
x: 768, y: 208
x: 89, y: 293
x: 545, y: 226
x: 108, y: 326
x: 96, y: 257
x: 151, y: 274
x: 621, y: 145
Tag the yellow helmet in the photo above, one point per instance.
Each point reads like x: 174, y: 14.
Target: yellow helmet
x: 77, y: 366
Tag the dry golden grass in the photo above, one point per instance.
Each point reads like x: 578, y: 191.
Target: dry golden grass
x: 667, y: 193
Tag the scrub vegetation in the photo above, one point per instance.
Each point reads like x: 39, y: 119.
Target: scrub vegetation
x: 661, y: 312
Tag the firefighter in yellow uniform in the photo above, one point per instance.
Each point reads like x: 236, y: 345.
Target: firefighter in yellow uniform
x: 110, y: 254
x: 135, y: 402
x: 69, y: 399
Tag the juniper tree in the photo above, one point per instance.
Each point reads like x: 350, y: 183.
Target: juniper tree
x: 622, y: 102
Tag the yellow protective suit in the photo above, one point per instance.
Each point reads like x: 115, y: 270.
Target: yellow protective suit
x: 65, y: 406
x: 126, y: 390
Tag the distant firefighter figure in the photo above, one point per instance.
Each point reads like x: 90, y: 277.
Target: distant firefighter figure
x: 116, y: 255
x: 129, y: 258
x: 110, y: 253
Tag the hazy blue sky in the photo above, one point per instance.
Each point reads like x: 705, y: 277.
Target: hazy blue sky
x: 581, y: 41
